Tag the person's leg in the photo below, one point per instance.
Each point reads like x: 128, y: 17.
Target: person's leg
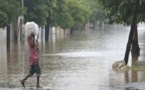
x: 31, y: 72
x: 38, y: 72
x: 38, y: 79
x: 23, y: 80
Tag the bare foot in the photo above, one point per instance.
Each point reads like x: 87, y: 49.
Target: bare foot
x: 22, y: 82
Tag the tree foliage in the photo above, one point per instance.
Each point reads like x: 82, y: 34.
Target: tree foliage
x: 9, y: 9
x: 36, y: 11
x: 3, y: 19
x: 121, y: 11
x: 61, y: 16
x: 98, y: 13
x: 80, y: 11
x: 68, y: 13
x: 64, y: 13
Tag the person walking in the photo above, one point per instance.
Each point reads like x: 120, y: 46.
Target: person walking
x: 33, y: 60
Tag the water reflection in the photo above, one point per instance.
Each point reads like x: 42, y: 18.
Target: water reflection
x: 3, y: 58
x: 132, y: 75
x: 82, y: 61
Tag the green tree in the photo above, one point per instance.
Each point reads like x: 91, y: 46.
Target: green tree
x: 61, y: 15
x: 9, y: 9
x: 133, y: 25
x: 122, y: 12
x: 69, y: 13
x: 51, y: 4
x: 98, y: 13
x: 36, y: 10
x: 79, y: 11
x: 66, y: 14
x: 3, y: 19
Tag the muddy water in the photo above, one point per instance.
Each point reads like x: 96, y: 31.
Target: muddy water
x: 82, y: 61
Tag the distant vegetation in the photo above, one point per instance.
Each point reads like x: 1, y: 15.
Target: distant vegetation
x: 63, y: 13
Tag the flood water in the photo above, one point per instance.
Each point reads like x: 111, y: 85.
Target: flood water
x: 82, y: 61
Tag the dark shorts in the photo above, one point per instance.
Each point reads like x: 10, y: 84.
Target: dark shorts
x: 35, y: 69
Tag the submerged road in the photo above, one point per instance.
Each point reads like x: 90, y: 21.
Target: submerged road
x: 82, y: 61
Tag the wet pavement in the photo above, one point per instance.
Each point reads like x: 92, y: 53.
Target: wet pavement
x: 82, y: 61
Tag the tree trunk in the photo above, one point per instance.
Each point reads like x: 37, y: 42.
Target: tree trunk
x: 46, y: 32
x: 135, y: 46
x: 71, y: 31
x: 8, y: 38
x: 47, y: 28
x: 15, y: 29
x: 128, y: 47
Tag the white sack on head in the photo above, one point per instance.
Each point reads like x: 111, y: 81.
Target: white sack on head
x: 31, y: 27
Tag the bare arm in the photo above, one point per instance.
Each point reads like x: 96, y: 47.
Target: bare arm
x: 33, y: 40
